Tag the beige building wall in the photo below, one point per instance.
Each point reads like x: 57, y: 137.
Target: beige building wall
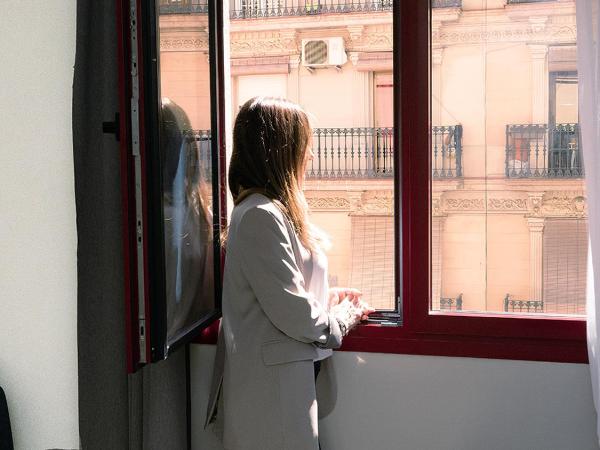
x: 185, y: 79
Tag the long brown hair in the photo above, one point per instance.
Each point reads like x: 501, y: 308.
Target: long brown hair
x: 270, y: 140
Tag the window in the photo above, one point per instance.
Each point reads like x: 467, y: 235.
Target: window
x: 447, y: 167
x: 504, y: 234
x: 171, y: 162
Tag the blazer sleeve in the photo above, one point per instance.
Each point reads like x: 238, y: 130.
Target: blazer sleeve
x: 270, y: 267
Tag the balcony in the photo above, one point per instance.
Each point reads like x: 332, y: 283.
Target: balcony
x: 449, y: 304
x: 342, y: 153
x: 511, y: 2
x: 522, y: 306
x: 537, y: 151
x: 183, y: 7
x: 256, y: 9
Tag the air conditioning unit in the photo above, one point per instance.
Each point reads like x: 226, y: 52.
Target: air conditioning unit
x: 323, y: 52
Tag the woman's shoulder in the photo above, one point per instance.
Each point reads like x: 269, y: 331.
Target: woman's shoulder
x: 256, y: 209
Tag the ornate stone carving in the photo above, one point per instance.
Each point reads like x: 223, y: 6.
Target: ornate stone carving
x: 373, y: 38
x: 464, y: 204
x: 328, y: 203
x: 356, y: 32
x: 377, y: 202
x: 564, y: 204
x: 529, y: 32
x: 184, y: 44
x: 534, y: 204
x: 507, y: 204
x: 261, y: 44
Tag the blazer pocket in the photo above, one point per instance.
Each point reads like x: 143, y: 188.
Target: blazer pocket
x: 281, y: 352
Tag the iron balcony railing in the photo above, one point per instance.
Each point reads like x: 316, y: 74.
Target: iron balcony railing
x: 446, y: 3
x: 254, y: 9
x: 541, y: 151
x: 451, y: 303
x: 200, y: 142
x: 527, y: 1
x: 522, y: 306
x: 368, y: 152
x: 183, y: 7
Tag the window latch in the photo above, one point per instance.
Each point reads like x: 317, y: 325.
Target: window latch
x: 113, y: 127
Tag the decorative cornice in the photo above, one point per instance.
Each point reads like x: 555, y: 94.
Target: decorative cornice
x: 320, y: 203
x: 564, y: 204
x: 263, y: 44
x: 464, y: 204
x: 519, y: 32
x: 507, y: 204
x: 373, y: 38
x: 184, y: 44
x: 376, y: 203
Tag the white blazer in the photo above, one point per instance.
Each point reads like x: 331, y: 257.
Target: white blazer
x: 271, y: 332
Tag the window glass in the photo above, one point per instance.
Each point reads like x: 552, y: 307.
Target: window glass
x: 186, y: 164
x: 334, y: 58
x: 508, y: 211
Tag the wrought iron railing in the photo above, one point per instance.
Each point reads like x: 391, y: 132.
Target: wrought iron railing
x: 446, y: 3
x: 451, y: 304
x: 352, y: 153
x: 527, y: 1
x: 522, y: 306
x: 539, y: 151
x: 253, y: 9
x: 446, y: 151
x: 368, y: 152
x: 200, y: 141
x: 183, y: 7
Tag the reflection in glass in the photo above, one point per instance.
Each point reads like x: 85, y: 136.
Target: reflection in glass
x: 186, y: 164
x: 187, y: 220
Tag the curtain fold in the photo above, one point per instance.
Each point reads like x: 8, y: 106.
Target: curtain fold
x: 146, y: 410
x: 588, y: 67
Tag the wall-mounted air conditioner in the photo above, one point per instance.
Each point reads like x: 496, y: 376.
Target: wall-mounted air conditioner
x: 323, y: 52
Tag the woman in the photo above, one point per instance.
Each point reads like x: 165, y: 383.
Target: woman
x: 279, y: 317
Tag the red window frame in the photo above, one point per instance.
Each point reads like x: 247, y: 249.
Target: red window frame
x: 424, y: 332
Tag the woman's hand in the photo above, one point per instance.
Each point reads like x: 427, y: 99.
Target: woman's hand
x: 338, y: 294
x: 350, y: 311
x: 365, y: 308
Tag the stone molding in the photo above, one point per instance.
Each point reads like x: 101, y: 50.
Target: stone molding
x: 552, y: 204
x: 328, y: 203
x: 507, y: 204
x: 376, y: 203
x: 564, y: 204
x: 464, y: 204
x: 184, y: 44
x: 264, y: 43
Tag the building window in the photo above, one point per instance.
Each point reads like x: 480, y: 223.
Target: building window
x: 565, y: 265
x: 440, y: 161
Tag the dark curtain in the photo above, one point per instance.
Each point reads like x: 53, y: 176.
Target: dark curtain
x: 116, y: 411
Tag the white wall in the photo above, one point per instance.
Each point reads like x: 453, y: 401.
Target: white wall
x: 38, y: 344
x: 392, y: 402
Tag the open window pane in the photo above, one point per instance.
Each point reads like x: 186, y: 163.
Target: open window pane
x: 334, y: 58
x: 508, y: 213
x: 186, y: 168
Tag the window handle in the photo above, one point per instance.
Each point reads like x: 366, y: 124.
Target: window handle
x: 113, y: 127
